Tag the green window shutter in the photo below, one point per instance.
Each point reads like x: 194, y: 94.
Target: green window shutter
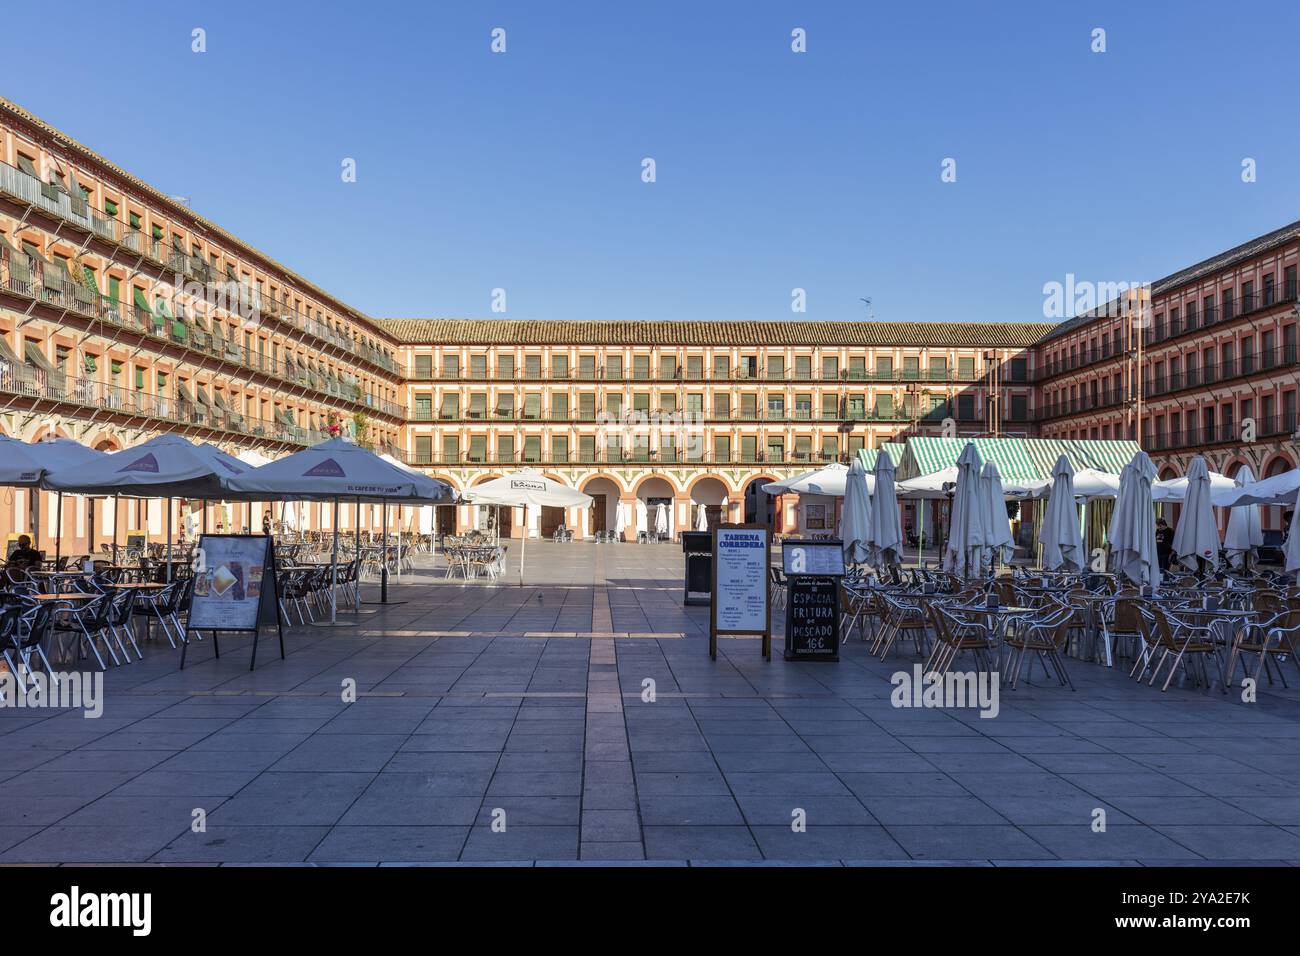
x: 141, y: 302
x: 115, y: 367
x: 134, y: 220
x: 27, y: 166
x: 139, y: 378
x: 157, y: 232
x: 91, y: 365
x: 114, y: 289
x: 110, y: 208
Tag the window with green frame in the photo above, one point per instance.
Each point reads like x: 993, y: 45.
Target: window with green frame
x: 110, y: 208
x: 139, y: 378
x: 157, y: 232
x: 133, y: 219
x: 114, y: 289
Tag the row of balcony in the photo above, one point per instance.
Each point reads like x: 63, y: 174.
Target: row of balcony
x: 178, y: 407
x: 1224, y: 311
x: 39, y: 282
x: 1102, y: 398
x: 511, y: 416
x: 937, y: 375
x: 1248, y: 363
x: 616, y: 457
x: 57, y: 202
x: 1270, y: 427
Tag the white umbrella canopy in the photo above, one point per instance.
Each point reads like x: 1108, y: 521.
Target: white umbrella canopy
x: 964, y: 550
x: 661, y: 519
x: 855, y: 520
x: 338, y: 470
x: 1091, y: 483
x: 24, y: 465
x: 253, y: 457
x: 823, y: 481
x: 1283, y: 489
x: 937, y: 484
x: 1132, y: 531
x: 886, y: 543
x: 1244, y: 533
x: 1060, y: 538
x: 1175, y: 489
x: 527, y: 486
x: 999, y: 543
x: 1197, y: 536
x: 167, y: 466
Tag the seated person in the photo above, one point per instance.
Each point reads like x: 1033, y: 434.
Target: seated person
x: 24, y: 556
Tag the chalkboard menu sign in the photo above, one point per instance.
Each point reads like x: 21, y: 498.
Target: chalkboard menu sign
x: 812, y: 619
x: 698, y: 548
x: 235, y: 587
x: 135, y: 540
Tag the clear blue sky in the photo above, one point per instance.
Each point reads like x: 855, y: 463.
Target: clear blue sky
x: 775, y: 170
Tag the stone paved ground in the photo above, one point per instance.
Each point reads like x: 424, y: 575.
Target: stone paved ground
x: 479, y: 703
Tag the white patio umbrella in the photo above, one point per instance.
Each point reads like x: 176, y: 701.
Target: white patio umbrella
x: 1244, y: 532
x: 620, y: 520
x: 886, y: 543
x: 828, y: 480
x: 702, y: 521
x: 1283, y: 489
x: 528, y: 487
x: 1175, y: 489
x: 999, y: 544
x: 964, y: 549
x: 1060, y: 538
x: 337, y: 470
x: 1089, y: 483
x: 167, y: 466
x: 25, y: 465
x: 855, y: 519
x: 1197, y: 536
x: 661, y: 520
x: 1132, y: 531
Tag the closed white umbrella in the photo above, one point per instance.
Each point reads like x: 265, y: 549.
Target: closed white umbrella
x: 999, y: 543
x: 620, y: 520
x: 1292, y: 554
x: 855, y: 520
x: 528, y: 487
x: 964, y: 550
x: 661, y: 520
x: 1196, y: 535
x: 1245, y: 532
x: 1132, y: 531
x: 1062, y: 544
x: 702, y: 522
x: 886, y: 544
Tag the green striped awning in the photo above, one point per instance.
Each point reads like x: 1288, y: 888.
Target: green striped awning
x: 1109, y: 456
x: 869, y: 455
x: 925, y: 456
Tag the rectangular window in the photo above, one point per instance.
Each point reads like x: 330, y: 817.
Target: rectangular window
x: 614, y: 367
x: 451, y: 366
x: 559, y: 406
x: 478, y: 367
x: 424, y: 449
x: 559, y: 366
x: 532, y: 366
x: 721, y: 449
x: 830, y: 367
x: 424, y: 366
x: 505, y: 366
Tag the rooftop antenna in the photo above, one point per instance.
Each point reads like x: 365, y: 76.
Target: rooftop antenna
x: 183, y: 200
x: 871, y: 313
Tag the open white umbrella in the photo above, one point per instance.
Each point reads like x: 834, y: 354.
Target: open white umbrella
x: 886, y: 544
x: 1222, y: 488
x: 337, y: 470
x: 828, y: 480
x: 999, y: 544
x: 1060, y: 539
x: 1197, y: 536
x: 1132, y: 531
x: 523, y: 488
x: 1283, y: 489
x: 1089, y: 483
x: 855, y: 520
x: 964, y: 549
x: 1244, y: 532
x: 661, y: 520
x: 702, y: 522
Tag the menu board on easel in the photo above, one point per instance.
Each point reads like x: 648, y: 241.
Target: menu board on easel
x: 235, y: 587
x: 740, y: 602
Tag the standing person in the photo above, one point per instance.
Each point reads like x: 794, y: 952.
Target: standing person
x: 1164, y: 544
x: 266, y: 522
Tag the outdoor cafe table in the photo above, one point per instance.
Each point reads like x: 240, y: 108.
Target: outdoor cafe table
x: 1000, y: 616
x: 1228, y: 624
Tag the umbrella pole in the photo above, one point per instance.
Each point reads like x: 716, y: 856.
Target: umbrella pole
x: 399, y: 542
x: 523, y: 548
x: 334, y: 570
x: 117, y: 519
x: 58, y: 530
x: 383, y: 557
x: 169, y: 541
